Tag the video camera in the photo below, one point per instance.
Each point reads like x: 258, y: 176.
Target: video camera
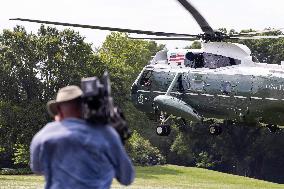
x: 98, y: 106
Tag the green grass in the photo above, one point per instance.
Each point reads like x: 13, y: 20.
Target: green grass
x: 168, y: 176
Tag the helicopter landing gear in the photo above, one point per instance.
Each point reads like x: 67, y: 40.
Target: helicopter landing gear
x: 215, y: 129
x: 163, y: 130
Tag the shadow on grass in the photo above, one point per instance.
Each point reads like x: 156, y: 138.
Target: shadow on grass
x: 155, y: 171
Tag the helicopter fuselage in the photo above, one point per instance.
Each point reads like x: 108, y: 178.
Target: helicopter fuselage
x: 232, y: 90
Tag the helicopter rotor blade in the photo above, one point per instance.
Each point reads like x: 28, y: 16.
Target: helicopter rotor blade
x: 257, y: 32
x: 205, y: 27
x: 259, y: 37
x: 104, y: 28
x: 168, y: 38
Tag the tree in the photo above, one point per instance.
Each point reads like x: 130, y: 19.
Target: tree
x: 265, y: 50
x: 64, y: 59
x: 142, y: 152
x: 33, y: 67
x: 194, y: 45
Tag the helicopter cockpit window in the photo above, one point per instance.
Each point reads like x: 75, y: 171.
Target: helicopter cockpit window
x: 146, y: 78
x: 194, y: 60
x: 214, y: 61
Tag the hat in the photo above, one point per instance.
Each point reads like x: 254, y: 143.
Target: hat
x: 64, y: 94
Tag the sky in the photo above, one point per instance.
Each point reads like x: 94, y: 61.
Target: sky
x: 154, y: 15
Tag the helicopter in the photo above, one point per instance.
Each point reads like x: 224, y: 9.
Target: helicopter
x: 222, y: 80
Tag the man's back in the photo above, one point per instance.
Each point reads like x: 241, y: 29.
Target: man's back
x: 72, y: 154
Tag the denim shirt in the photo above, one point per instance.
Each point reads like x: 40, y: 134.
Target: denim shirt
x: 72, y: 154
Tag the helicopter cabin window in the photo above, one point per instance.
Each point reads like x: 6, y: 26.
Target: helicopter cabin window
x: 213, y: 61
x: 208, y: 60
x: 146, y: 78
x: 194, y: 60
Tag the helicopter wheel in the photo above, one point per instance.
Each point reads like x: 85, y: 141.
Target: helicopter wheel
x: 215, y: 129
x: 163, y: 130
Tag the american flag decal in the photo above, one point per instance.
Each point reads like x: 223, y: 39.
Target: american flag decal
x: 176, y: 57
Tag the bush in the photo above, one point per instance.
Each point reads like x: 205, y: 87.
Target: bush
x: 21, y: 154
x: 142, y: 152
x: 20, y: 171
x: 204, y: 160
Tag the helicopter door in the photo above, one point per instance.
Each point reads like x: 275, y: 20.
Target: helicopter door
x: 194, y: 60
x: 182, y: 84
x: 194, y: 87
x: 243, y: 92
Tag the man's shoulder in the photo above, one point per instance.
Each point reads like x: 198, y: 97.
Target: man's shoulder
x: 76, y: 130
x: 53, y: 127
x: 95, y: 133
x: 82, y: 125
x: 50, y: 130
x: 107, y: 130
x: 62, y: 129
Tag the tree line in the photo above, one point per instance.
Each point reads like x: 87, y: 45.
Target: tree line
x: 34, y: 66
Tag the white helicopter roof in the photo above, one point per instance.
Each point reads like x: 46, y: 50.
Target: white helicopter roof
x: 233, y: 50
x: 184, y: 51
x: 177, y: 56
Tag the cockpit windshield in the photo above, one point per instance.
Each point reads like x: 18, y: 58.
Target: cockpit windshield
x: 146, y: 78
x: 208, y: 60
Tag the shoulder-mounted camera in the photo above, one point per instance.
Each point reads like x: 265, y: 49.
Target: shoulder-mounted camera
x: 98, y: 106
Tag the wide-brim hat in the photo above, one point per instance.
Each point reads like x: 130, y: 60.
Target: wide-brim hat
x: 64, y: 94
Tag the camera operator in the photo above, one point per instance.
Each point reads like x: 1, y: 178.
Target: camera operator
x: 72, y: 153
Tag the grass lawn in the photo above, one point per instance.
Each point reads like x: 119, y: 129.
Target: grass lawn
x: 168, y: 176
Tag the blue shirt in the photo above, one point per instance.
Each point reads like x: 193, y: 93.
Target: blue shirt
x: 72, y: 154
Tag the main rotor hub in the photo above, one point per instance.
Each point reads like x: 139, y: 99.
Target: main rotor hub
x: 217, y: 36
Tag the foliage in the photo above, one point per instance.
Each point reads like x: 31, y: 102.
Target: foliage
x: 21, y: 154
x: 33, y: 67
x: 204, y: 160
x: 64, y: 59
x: 194, y: 45
x: 2, y: 149
x: 242, y: 150
x: 265, y: 50
x: 142, y: 152
x: 182, y: 149
x: 19, y: 171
